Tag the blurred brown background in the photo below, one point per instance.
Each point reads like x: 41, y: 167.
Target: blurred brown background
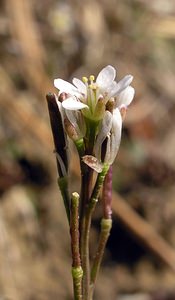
x: 43, y: 40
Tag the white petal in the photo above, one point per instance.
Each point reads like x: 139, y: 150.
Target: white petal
x: 104, y: 130
x: 105, y: 127
x: 72, y: 116
x: 126, y: 96
x: 115, y: 134
x: 121, y: 85
x: 116, y: 120
x: 111, y: 89
x: 106, y: 76
x: 77, y: 120
x: 73, y: 104
x: 124, y: 82
x: 64, y: 86
x: 80, y: 86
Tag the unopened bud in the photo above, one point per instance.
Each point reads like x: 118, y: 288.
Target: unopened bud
x: 70, y: 129
x: 99, y: 109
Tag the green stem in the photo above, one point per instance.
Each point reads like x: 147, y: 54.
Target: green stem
x: 63, y: 185
x: 106, y: 225
x: 77, y: 272
x: 80, y: 147
x: 86, y: 228
x: 86, y: 189
x: 84, y: 147
x: 85, y: 194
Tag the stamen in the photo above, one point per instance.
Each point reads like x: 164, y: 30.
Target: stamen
x: 91, y: 78
x: 84, y: 79
x: 92, y: 86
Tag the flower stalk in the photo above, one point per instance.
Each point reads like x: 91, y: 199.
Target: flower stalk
x: 106, y: 224
x: 77, y: 271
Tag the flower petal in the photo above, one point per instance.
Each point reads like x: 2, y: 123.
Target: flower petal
x: 116, y: 121
x: 121, y: 85
x: 64, y: 86
x: 104, y: 130
x: 80, y: 86
x: 72, y: 104
x: 125, y: 82
x: 111, y: 89
x: 115, y: 134
x: 106, y: 76
x: 75, y: 117
x: 105, y: 127
x: 126, y: 96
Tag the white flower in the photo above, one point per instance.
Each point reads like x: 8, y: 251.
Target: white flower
x: 104, y: 101
x: 86, y: 93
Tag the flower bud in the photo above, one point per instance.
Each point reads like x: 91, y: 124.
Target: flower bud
x: 70, y: 129
x: 77, y: 120
x: 99, y: 109
x: 59, y: 136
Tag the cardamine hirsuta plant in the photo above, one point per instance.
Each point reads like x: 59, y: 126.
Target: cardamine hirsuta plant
x: 90, y: 113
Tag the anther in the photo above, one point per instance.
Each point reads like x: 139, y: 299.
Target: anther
x: 91, y: 78
x: 85, y: 79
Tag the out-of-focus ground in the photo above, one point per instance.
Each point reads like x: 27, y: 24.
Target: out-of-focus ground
x: 42, y: 40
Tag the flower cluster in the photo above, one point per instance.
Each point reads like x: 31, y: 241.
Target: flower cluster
x: 99, y: 103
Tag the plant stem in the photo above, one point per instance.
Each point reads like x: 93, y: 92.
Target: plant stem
x: 107, y: 195
x: 85, y: 194
x: 77, y: 272
x: 106, y: 225
x: 86, y: 189
x: 86, y: 181
x: 86, y: 229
